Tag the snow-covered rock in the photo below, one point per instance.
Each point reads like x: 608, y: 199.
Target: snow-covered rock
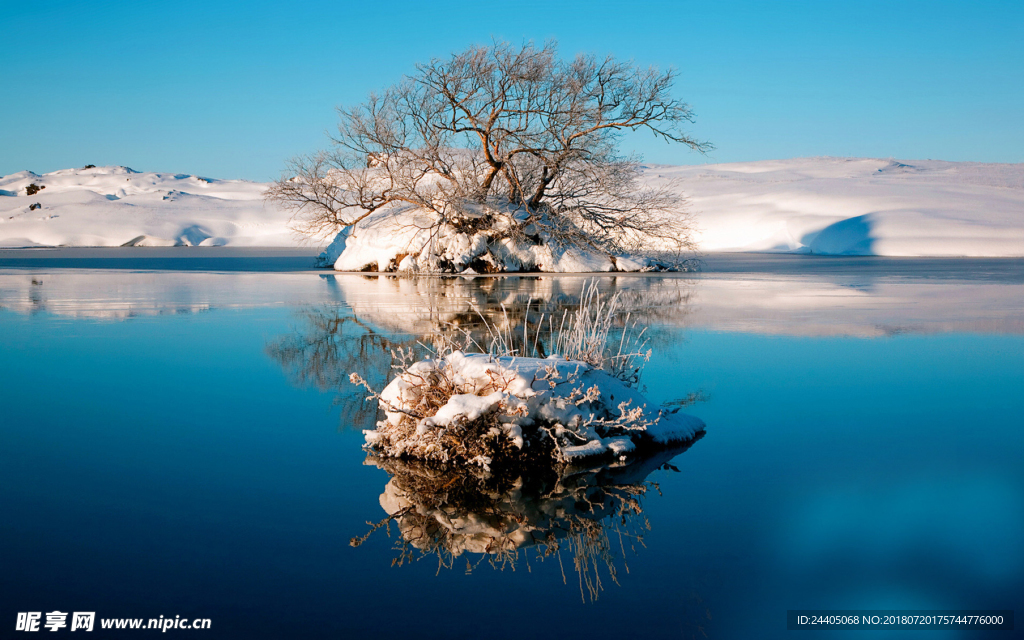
x: 330, y: 255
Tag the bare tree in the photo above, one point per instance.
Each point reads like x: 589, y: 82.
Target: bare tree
x: 512, y: 140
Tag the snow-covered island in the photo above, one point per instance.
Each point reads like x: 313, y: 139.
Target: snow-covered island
x: 509, y: 404
x: 826, y: 206
x: 480, y: 409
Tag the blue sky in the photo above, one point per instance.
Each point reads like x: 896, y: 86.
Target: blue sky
x: 233, y: 89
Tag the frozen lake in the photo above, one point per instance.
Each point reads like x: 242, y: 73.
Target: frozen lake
x: 186, y: 442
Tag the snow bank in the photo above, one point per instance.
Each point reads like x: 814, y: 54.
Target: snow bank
x: 113, y: 206
x: 437, y: 409
x: 855, y: 206
x: 832, y: 206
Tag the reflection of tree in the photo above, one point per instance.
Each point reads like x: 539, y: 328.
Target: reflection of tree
x: 530, y: 318
x: 330, y: 343
x: 591, y: 514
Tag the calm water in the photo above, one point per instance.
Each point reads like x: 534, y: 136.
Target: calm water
x: 187, y: 444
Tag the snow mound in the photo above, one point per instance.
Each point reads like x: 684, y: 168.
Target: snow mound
x: 855, y: 206
x: 115, y: 206
x: 476, y: 409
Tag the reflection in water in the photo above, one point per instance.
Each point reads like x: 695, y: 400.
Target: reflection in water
x: 426, y: 306
x: 807, y: 304
x: 509, y: 521
x: 331, y: 341
x: 873, y: 524
x: 323, y: 350
x: 591, y: 515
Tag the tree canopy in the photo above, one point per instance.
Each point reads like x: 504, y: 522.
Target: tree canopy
x: 513, y: 139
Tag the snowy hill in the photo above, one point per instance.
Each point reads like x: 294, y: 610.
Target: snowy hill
x: 111, y: 206
x: 856, y: 206
x: 810, y: 205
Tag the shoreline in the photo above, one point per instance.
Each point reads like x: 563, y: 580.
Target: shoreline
x: 294, y: 260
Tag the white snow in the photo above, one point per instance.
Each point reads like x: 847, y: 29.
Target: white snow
x: 587, y: 410
x: 828, y: 206
x: 407, y: 239
x: 854, y: 206
x: 113, y: 206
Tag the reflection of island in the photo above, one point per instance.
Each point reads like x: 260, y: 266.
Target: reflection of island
x: 591, y: 515
x: 421, y: 306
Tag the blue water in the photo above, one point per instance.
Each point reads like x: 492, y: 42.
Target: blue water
x: 171, y: 465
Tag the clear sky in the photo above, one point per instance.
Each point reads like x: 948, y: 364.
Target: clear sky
x: 233, y: 89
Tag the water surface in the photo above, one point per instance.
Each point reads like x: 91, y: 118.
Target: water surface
x: 187, y: 444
